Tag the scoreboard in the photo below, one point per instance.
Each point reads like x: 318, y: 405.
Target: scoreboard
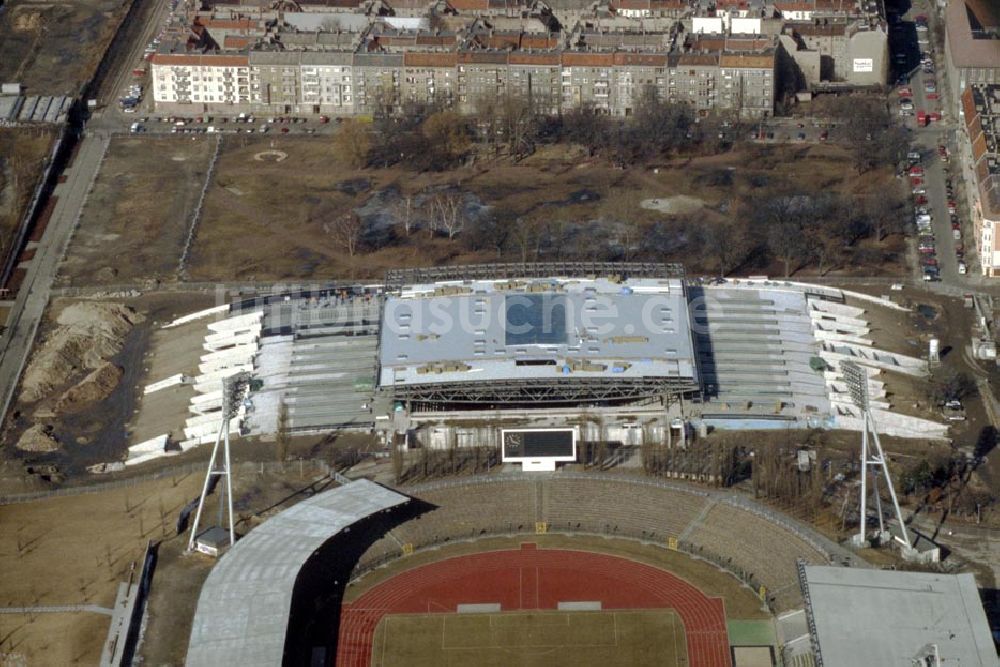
x: 539, y: 449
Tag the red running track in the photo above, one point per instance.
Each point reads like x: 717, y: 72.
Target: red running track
x: 530, y: 578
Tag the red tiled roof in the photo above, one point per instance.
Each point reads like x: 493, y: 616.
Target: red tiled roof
x: 694, y: 59
x: 195, y: 60
x: 747, y: 60
x: 551, y: 59
x: 969, y: 105
x: 979, y: 147
x: 469, y: 5
x: 235, y: 42
x: 647, y: 59
x: 571, y: 59
x: 425, y: 59
x: 484, y: 58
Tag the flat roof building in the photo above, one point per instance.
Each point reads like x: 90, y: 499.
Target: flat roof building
x: 889, y: 617
x: 537, y: 340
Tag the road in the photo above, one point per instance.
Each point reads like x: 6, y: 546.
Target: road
x: 36, y: 288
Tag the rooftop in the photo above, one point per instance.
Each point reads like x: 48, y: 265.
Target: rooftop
x: 969, y: 48
x: 544, y: 329
x: 884, y: 617
x: 243, y: 609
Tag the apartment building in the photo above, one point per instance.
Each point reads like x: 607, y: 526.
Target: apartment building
x: 981, y: 112
x: 343, y: 84
x: 972, y: 45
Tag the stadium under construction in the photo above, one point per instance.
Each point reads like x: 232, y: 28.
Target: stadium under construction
x: 623, y: 352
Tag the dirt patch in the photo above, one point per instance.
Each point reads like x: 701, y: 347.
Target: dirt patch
x: 676, y: 205
x: 271, y: 156
x: 55, y: 48
x: 38, y: 438
x: 141, y: 206
x: 26, y: 19
x: 85, y: 336
x: 97, y: 386
x: 22, y: 154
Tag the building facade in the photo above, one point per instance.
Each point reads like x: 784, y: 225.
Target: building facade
x: 344, y: 84
x: 981, y: 114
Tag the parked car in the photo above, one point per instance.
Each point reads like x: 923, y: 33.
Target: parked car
x: 956, y: 234
x: 962, y: 268
x: 932, y: 96
x: 921, y: 200
x: 919, y: 190
x: 916, y: 171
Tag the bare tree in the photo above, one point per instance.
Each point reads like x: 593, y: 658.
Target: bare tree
x: 404, y: 212
x: 786, y: 241
x: 525, y: 234
x: 448, y: 212
x: 353, y: 141
x: 729, y: 243
x: 345, y: 230
x: 282, y: 434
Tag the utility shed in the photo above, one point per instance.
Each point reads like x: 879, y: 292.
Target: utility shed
x: 890, y: 618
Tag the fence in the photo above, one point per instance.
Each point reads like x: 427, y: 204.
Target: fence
x: 196, y: 214
x: 317, y: 466
x: 134, y: 624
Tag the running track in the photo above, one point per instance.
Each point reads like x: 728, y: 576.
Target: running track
x: 532, y: 578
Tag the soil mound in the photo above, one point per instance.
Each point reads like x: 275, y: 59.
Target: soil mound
x: 97, y: 386
x: 86, y: 335
x: 37, y: 439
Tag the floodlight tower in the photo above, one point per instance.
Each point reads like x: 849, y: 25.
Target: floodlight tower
x: 857, y: 386
x: 233, y: 389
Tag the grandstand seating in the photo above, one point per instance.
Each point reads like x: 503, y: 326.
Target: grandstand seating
x: 760, y: 550
x: 596, y: 506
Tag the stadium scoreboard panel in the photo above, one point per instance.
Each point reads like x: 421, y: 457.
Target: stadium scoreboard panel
x: 539, y: 449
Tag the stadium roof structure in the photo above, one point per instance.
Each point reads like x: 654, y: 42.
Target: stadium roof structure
x: 895, y: 618
x: 244, y: 606
x: 537, y: 340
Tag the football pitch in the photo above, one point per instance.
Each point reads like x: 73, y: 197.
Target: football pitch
x: 529, y: 639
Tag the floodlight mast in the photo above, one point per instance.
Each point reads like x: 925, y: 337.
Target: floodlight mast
x: 233, y: 389
x: 856, y: 378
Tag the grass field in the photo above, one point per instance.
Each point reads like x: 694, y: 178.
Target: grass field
x: 553, y: 639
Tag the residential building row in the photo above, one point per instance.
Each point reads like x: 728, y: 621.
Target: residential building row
x: 981, y: 113
x: 347, y: 83
x: 347, y: 57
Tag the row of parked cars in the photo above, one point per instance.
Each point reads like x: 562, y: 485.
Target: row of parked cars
x: 926, y: 242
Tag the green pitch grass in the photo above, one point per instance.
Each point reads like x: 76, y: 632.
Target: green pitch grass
x: 531, y: 639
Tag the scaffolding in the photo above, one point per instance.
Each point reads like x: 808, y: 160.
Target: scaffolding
x: 397, y: 278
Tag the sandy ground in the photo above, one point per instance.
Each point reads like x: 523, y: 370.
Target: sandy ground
x: 74, y: 550
x: 52, y: 639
